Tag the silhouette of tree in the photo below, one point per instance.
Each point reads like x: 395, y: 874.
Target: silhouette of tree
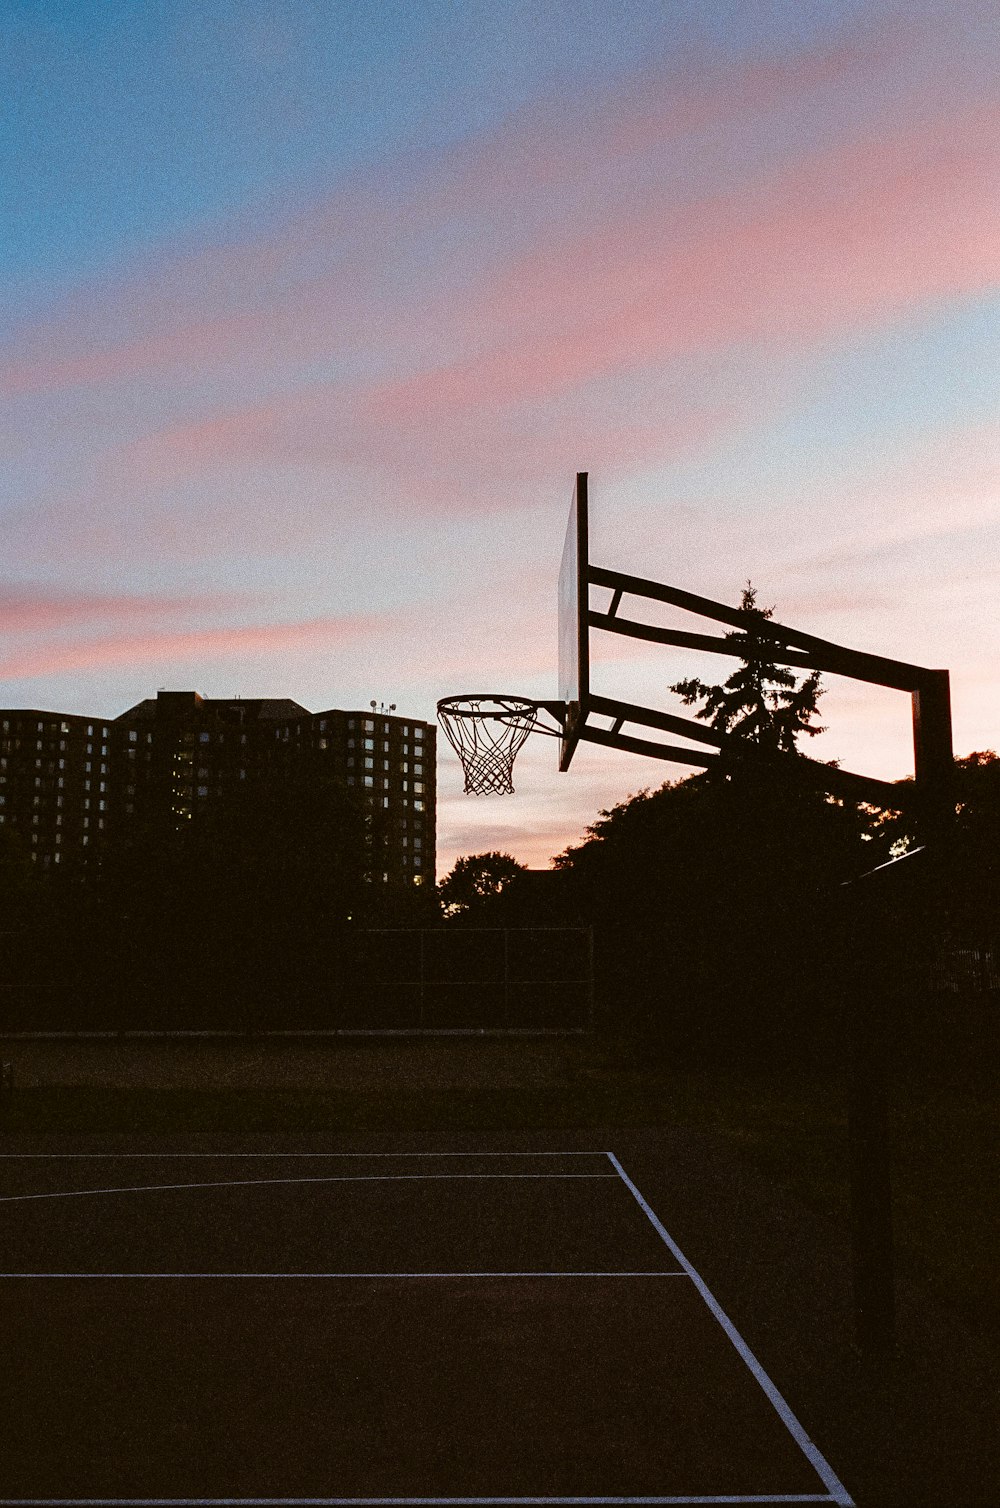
x: 966, y: 872
x: 762, y: 702
x: 477, y: 882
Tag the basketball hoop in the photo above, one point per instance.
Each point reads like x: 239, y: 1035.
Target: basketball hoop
x: 488, y: 732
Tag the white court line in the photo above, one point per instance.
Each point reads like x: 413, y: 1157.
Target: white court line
x: 838, y: 1492
x: 228, y: 1156
x: 656, y: 1272
x: 778, y: 1497
x: 243, y: 1183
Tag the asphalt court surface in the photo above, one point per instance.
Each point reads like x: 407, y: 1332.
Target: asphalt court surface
x: 370, y: 1327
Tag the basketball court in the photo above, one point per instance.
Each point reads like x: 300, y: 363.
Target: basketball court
x: 425, y: 1325
x: 372, y: 1327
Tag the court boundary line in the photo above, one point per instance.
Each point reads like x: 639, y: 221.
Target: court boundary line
x: 838, y: 1493
x: 232, y: 1156
x: 786, y: 1497
x: 263, y: 1183
x: 398, y: 1502
x: 653, y: 1272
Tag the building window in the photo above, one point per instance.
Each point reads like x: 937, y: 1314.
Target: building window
x: 418, y: 733
x: 418, y: 842
x: 133, y: 736
x: 418, y: 769
x: 90, y: 730
x: 369, y: 764
x: 369, y: 780
x: 203, y: 790
x: 370, y: 743
x: 203, y: 738
x: 369, y: 725
x: 418, y: 786
x: 322, y: 743
x: 418, y: 806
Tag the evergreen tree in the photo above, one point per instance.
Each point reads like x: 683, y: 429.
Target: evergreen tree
x: 762, y: 702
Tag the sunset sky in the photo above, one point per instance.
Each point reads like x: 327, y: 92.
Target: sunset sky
x: 311, y: 310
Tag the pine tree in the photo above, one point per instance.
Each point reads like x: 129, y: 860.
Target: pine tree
x: 762, y: 702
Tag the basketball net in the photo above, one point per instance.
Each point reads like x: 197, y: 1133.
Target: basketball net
x: 487, y: 733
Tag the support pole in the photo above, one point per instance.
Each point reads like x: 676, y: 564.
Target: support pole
x: 873, y: 1264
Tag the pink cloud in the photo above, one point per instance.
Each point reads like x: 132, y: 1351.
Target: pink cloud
x: 26, y: 609
x: 236, y: 640
x: 852, y: 237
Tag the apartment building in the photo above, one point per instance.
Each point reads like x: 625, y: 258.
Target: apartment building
x: 55, y: 782
x: 67, y: 783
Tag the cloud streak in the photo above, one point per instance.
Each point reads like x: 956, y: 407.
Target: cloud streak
x: 235, y: 641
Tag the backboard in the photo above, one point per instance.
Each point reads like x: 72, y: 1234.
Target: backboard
x: 574, y: 641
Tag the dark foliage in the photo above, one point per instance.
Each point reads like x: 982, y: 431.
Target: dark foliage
x: 476, y: 886
x: 714, y: 901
